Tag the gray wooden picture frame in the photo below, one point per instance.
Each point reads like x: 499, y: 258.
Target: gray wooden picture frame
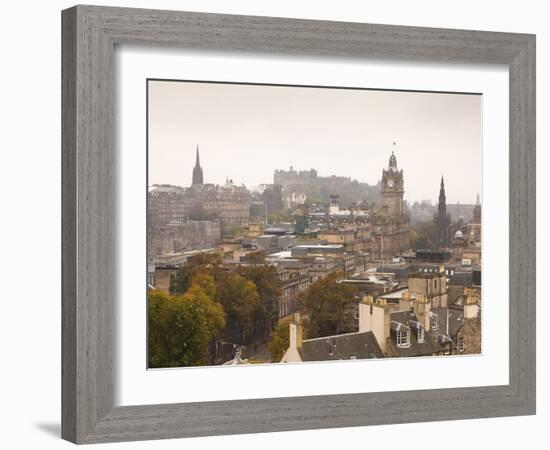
x: 90, y: 34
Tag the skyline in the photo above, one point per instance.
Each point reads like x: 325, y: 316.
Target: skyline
x: 275, y: 127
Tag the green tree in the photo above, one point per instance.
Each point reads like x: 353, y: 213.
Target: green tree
x: 413, y: 236
x: 180, y: 328
x: 256, y: 258
x: 279, y: 217
x: 426, y: 235
x: 239, y: 298
x: 324, y: 305
x: 280, y: 340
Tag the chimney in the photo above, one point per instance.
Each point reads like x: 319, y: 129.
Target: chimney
x: 422, y: 308
x: 296, y: 332
x: 406, y: 301
x: 471, y: 308
x: 334, y: 203
x: 375, y: 317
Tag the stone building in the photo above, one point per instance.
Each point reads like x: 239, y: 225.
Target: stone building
x: 431, y: 285
x: 466, y: 245
x: 228, y: 203
x: 310, y: 183
x: 474, y: 227
x: 442, y: 220
x: 181, y: 219
x: 292, y: 177
x: 166, y: 203
x: 177, y: 237
x: 468, y: 335
x: 354, y: 238
x: 294, y: 281
x: 390, y: 225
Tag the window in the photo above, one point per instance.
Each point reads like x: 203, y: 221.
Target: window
x: 402, y: 338
x: 420, y: 335
x: 460, y: 344
x: 433, y: 322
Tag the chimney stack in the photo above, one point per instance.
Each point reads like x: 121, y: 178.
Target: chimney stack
x: 375, y: 316
x: 296, y: 332
x: 471, y: 308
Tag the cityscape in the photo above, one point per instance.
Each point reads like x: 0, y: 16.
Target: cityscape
x: 309, y: 267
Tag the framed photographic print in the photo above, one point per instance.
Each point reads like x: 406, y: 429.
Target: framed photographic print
x: 278, y: 224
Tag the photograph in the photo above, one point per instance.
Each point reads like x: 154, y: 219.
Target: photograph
x: 291, y: 224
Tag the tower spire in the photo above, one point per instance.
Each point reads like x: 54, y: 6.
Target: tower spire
x: 442, y: 196
x: 393, y: 161
x: 442, y: 220
x: 197, y: 170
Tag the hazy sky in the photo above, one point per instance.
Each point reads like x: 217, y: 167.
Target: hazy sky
x: 245, y: 132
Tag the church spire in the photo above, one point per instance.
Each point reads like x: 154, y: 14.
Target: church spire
x: 442, y: 197
x: 197, y: 170
x: 442, y: 220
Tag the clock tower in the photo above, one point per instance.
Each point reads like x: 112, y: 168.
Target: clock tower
x: 392, y: 188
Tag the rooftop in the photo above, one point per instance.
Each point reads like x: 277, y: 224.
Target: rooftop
x: 396, y: 295
x: 408, y: 320
x: 342, y: 346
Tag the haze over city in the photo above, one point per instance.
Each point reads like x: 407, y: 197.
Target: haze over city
x: 246, y: 132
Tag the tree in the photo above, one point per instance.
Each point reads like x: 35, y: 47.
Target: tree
x: 426, y: 235
x: 413, y: 236
x: 255, y: 258
x: 278, y: 217
x: 205, y: 263
x: 239, y: 298
x: 268, y: 286
x: 180, y: 328
x: 324, y: 305
x: 280, y: 340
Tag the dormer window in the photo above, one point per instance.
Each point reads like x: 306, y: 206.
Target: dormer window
x: 420, y: 335
x: 403, y: 338
x: 460, y: 344
x: 331, y: 346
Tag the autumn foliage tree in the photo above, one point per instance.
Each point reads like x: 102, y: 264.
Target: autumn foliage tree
x: 268, y: 286
x: 240, y: 299
x: 249, y: 293
x: 280, y: 340
x: 181, y: 327
x: 324, y: 305
x: 203, y: 263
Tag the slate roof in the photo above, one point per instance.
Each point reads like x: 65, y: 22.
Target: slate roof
x: 343, y: 346
x: 426, y: 348
x: 456, y: 320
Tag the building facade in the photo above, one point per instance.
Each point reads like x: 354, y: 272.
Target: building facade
x: 390, y: 225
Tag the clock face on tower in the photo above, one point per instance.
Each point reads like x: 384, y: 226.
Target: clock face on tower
x: 390, y: 183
